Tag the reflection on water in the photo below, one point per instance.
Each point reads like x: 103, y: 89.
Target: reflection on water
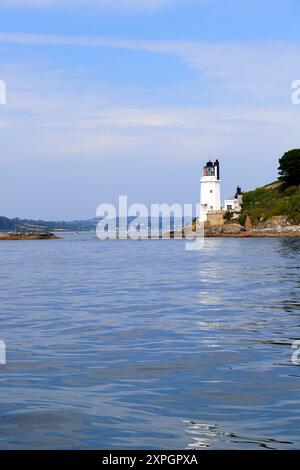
x: 120, y: 344
x: 208, y: 435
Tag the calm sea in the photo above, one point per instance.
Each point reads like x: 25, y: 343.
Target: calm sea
x: 128, y: 344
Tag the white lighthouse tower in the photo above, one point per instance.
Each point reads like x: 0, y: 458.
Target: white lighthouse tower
x: 210, y: 192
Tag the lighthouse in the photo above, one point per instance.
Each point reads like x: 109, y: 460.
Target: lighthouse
x: 210, y: 190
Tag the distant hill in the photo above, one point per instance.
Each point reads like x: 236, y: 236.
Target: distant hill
x: 271, y: 200
x: 6, y: 225
x: 28, y: 225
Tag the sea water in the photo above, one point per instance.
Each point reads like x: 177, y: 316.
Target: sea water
x: 142, y: 344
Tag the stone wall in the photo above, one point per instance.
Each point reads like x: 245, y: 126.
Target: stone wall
x: 215, y: 218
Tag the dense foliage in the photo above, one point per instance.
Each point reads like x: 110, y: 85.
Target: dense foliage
x: 289, y: 168
x: 266, y: 202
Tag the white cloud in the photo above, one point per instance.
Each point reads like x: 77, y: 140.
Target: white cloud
x: 130, y: 4
x: 250, y: 86
x: 102, y: 141
x: 52, y: 101
x: 57, y: 122
x: 262, y: 69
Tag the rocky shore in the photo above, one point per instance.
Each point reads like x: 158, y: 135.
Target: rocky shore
x: 275, y: 227
x: 28, y: 236
x: 240, y: 232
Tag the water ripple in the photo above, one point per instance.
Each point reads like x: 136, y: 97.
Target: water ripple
x: 144, y: 345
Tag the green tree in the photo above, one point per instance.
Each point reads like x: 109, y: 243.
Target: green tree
x: 289, y: 167
x: 228, y: 216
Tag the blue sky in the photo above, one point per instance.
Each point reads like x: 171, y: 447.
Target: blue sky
x: 109, y: 97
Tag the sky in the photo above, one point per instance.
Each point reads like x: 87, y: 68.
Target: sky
x: 132, y: 97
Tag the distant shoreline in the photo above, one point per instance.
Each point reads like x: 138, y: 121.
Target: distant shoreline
x: 257, y: 235
x: 13, y: 236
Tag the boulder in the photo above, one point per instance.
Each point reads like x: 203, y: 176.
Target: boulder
x: 248, y: 224
x: 233, y: 228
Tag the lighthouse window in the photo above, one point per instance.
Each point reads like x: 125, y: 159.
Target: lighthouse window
x: 211, y: 191
x: 211, y: 207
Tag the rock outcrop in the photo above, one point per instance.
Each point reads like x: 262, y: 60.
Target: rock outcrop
x: 235, y: 230
x: 248, y: 224
x: 28, y: 236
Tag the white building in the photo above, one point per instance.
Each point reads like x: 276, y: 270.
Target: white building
x: 210, y: 190
x: 234, y: 204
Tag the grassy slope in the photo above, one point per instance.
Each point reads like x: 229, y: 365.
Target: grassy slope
x: 268, y: 201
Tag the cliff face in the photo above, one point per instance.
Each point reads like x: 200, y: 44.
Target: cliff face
x: 272, y: 205
x: 234, y: 230
x: 270, y: 211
